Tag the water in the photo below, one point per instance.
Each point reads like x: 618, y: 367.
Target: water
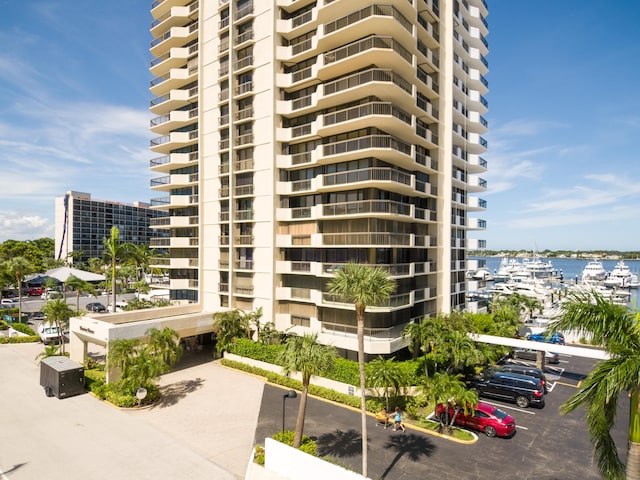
x: 570, y: 268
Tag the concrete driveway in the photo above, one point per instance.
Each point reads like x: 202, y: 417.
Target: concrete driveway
x: 204, y: 427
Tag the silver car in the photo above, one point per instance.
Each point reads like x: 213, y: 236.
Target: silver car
x: 528, y: 354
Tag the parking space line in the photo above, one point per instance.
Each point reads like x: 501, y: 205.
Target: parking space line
x: 521, y: 427
x: 569, y: 384
x: 502, y: 406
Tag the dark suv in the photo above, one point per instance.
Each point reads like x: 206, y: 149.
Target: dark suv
x: 511, y: 387
x: 523, y: 370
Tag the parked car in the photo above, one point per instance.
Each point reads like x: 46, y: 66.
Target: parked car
x: 120, y: 306
x: 34, y: 291
x: 11, y: 302
x: 547, y: 337
x: 523, y: 370
x: 49, y: 333
x: 51, y: 295
x: 96, y: 307
x: 484, y: 418
x: 511, y: 387
x: 528, y: 354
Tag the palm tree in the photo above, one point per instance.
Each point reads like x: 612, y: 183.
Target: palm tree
x: 79, y: 286
x: 614, y: 327
x: 385, y: 373
x: 165, y: 344
x: 362, y: 285
x: 17, y: 268
x: 58, y: 312
x: 449, y: 390
x: 307, y: 356
x: 429, y: 334
x: 115, y: 253
x: 122, y: 354
x: 462, y: 351
x: 228, y: 326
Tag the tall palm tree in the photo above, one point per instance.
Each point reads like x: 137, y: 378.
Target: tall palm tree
x: 616, y: 328
x: 307, y: 356
x: 429, y: 334
x: 462, y: 351
x: 17, y: 268
x: 58, y: 312
x: 362, y: 285
x: 115, y: 253
x: 79, y: 286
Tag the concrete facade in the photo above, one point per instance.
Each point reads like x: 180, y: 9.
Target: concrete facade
x: 296, y: 135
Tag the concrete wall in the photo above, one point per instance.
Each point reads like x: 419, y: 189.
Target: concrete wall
x: 289, y: 463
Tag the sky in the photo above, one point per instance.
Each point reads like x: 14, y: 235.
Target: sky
x: 564, y: 117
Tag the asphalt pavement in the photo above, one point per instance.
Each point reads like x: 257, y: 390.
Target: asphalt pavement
x: 546, y: 446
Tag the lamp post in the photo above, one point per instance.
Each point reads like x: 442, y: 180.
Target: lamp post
x: 289, y: 394
x: 141, y: 394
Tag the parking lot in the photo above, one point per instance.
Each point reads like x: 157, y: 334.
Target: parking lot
x: 546, y: 446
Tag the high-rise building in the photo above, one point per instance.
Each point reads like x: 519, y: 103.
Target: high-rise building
x: 296, y: 135
x: 81, y: 224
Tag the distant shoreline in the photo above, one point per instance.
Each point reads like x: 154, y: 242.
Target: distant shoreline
x: 578, y: 254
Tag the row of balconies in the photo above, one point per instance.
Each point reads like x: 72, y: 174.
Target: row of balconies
x: 326, y: 299
x: 392, y: 179
x: 384, y: 147
x: 321, y: 269
x: 364, y: 239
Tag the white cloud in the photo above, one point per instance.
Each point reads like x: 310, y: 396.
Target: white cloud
x: 20, y: 225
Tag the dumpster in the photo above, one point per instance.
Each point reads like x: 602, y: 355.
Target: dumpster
x: 61, y: 377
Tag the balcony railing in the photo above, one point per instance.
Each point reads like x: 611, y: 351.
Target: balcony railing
x: 367, y: 76
x: 367, y: 142
x: 369, y: 174
x: 365, y: 44
x: 372, y: 10
x: 393, y: 239
x: 366, y: 207
x: 373, y: 108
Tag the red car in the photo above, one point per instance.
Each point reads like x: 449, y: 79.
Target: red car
x: 485, y: 418
x: 34, y: 291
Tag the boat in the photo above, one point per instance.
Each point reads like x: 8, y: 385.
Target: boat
x: 481, y: 273
x: 594, y: 271
x: 620, y: 276
x: 538, y: 268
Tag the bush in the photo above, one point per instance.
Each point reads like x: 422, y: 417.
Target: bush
x: 258, y: 455
x: 121, y: 396
x: 28, y: 339
x: 3, y: 325
x: 94, y: 379
x: 257, y: 351
x: 306, y: 444
x: 22, y: 328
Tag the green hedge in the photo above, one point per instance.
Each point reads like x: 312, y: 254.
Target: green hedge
x: 22, y: 328
x: 27, y: 339
x: 345, y: 371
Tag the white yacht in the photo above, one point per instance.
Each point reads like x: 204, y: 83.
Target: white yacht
x: 538, y: 268
x: 593, y: 272
x: 620, y: 276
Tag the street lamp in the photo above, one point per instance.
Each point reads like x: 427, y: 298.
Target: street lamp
x: 289, y: 394
x: 141, y: 394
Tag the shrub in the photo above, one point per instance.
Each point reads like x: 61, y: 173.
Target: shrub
x: 94, y: 379
x: 3, y: 325
x: 22, y: 328
x: 306, y: 444
x: 258, y: 455
x: 27, y: 339
x: 121, y: 396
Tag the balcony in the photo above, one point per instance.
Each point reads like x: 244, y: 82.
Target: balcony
x: 175, y: 100
x: 385, y: 147
x: 169, y: 162
x: 174, y: 37
x: 299, y: 24
x: 173, y: 141
x: 176, y: 119
x: 176, y: 78
x: 378, y: 49
x: 368, y: 208
x: 176, y: 58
